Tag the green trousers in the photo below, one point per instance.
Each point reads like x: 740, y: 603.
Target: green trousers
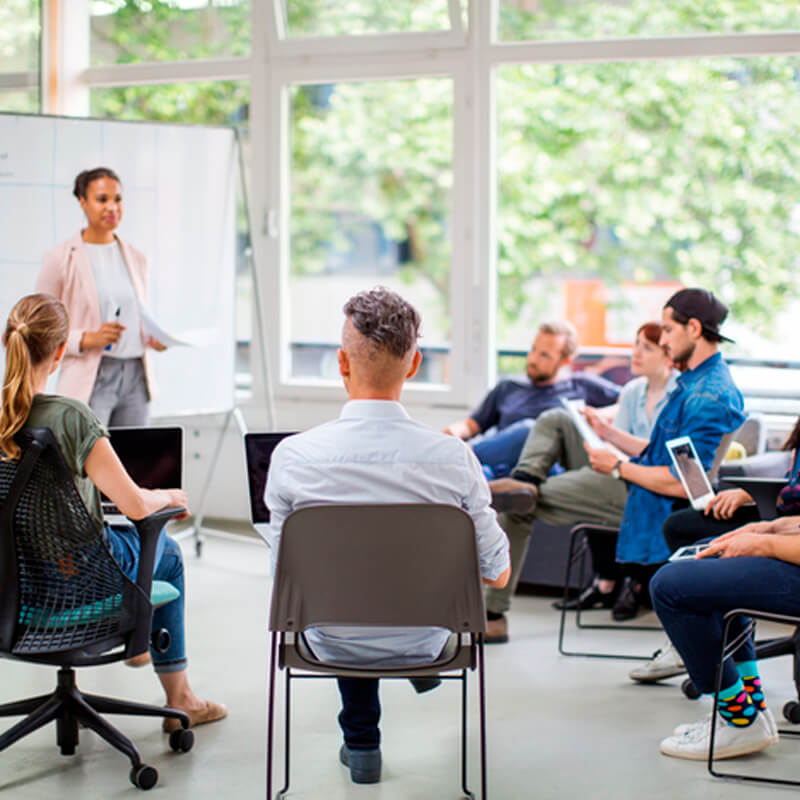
x: 579, y: 494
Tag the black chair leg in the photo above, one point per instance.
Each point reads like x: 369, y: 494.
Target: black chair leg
x: 287, y: 736
x: 91, y: 719
x: 21, y: 708
x: 271, y: 712
x: 482, y: 715
x: 464, y: 788
x: 45, y: 713
x: 111, y: 705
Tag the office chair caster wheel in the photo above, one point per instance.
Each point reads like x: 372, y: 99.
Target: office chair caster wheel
x: 181, y: 741
x: 689, y: 689
x: 144, y: 777
x: 791, y: 711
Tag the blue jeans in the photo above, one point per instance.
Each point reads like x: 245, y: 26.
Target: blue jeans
x: 123, y: 542
x: 692, y: 596
x: 361, y: 712
x: 499, y: 452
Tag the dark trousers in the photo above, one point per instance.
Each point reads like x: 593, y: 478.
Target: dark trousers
x: 688, y: 526
x: 361, y: 712
x: 692, y: 596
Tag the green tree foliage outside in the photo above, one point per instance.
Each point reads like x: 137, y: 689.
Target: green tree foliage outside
x: 681, y: 169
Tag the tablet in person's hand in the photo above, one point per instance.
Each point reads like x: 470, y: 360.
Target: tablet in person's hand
x: 690, y: 471
x: 689, y: 551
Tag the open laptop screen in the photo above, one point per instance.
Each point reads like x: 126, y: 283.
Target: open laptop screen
x: 153, y: 457
x: 258, y: 449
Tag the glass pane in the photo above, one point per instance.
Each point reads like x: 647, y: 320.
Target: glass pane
x: 618, y: 180
x: 23, y: 101
x: 354, y: 17
x: 370, y: 204
x: 20, y: 28
x: 128, y: 31
x: 210, y: 103
x: 521, y: 20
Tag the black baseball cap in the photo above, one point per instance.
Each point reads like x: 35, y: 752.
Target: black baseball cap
x: 701, y: 305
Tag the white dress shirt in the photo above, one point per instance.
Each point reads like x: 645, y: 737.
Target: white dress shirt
x: 375, y: 453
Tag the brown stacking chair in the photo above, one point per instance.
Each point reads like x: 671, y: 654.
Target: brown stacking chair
x: 385, y: 565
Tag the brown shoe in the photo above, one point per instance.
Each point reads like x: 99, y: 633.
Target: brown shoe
x: 496, y: 631
x: 210, y: 713
x: 509, y: 494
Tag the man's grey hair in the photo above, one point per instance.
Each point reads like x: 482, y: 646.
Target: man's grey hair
x: 385, y: 319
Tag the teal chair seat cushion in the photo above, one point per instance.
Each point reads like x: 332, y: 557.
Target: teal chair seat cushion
x: 160, y: 594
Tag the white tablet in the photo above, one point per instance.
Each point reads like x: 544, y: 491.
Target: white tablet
x: 690, y: 471
x: 689, y: 551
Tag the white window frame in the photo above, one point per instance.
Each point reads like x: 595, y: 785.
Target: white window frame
x: 469, y: 57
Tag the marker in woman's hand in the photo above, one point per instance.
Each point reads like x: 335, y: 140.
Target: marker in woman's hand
x: 116, y: 319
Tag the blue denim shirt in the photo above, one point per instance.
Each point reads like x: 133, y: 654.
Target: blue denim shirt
x: 705, y: 405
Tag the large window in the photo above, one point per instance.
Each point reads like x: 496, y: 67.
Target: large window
x: 336, y: 18
x: 595, y: 19
x: 20, y: 31
x: 371, y: 184
x: 498, y: 162
x: 128, y: 31
x: 616, y: 176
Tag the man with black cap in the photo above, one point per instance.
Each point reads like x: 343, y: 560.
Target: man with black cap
x: 705, y: 405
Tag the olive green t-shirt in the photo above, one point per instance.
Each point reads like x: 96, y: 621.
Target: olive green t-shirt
x: 76, y: 429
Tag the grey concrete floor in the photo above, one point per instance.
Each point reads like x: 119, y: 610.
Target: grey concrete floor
x: 558, y: 727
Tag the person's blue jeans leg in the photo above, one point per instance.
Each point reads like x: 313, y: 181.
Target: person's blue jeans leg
x: 692, y: 596
x: 500, y: 451
x: 124, y: 544
x: 169, y: 568
x: 361, y: 712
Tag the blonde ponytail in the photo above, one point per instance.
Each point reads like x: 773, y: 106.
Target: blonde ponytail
x: 37, y: 325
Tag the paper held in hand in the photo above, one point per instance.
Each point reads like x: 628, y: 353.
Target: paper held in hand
x: 575, y: 407
x: 197, y: 337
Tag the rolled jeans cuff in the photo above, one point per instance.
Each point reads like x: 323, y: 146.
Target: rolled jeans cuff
x: 166, y: 667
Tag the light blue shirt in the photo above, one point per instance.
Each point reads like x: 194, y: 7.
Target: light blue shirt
x: 632, y: 411
x: 375, y: 453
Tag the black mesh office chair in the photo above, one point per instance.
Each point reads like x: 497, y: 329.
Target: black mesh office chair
x: 384, y: 565
x: 65, y: 602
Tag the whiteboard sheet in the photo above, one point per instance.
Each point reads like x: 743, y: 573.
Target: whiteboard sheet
x: 179, y: 209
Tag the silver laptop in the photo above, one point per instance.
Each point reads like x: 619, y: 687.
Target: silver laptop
x: 153, y: 457
x: 258, y: 449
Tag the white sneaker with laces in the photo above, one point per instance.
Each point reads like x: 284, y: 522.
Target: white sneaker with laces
x: 729, y: 741
x: 665, y: 663
x: 688, y: 726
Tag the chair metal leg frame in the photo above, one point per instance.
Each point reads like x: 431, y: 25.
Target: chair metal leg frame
x: 578, y: 547
x: 281, y: 793
x: 271, y: 710
x: 726, y: 649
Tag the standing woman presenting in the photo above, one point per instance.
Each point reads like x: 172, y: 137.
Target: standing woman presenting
x: 102, y: 281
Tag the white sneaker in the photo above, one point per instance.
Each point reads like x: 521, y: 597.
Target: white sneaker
x: 729, y: 741
x: 665, y: 663
x: 688, y: 726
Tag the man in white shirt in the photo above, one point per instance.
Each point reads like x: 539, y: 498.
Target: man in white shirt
x: 375, y: 453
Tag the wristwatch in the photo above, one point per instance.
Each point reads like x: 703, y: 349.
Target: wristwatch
x: 615, y: 473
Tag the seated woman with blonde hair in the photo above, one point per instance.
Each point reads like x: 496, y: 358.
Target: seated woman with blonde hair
x: 35, y: 340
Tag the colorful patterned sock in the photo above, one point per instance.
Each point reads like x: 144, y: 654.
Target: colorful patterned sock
x: 736, y: 707
x: 748, y: 672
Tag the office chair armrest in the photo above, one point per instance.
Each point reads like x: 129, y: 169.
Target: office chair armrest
x: 149, y: 528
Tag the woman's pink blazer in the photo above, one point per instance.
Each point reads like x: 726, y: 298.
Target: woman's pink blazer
x: 67, y: 274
